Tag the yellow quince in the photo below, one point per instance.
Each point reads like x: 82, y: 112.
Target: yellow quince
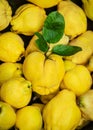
x: 11, y: 47
x: 88, y: 8
x: 5, y: 14
x: 75, y: 18
x: 45, y: 73
x: 45, y: 3
x: 16, y: 91
x: 77, y: 79
x: 62, y: 112
x: 85, y: 42
x: 28, y: 19
x: 9, y: 70
x: 29, y: 118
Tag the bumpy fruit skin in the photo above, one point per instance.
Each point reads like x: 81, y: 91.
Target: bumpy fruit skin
x: 17, y: 92
x: 61, y: 112
x: 75, y: 18
x: 45, y: 73
x: 11, y: 47
x: 28, y: 19
x: 88, y: 8
x: 7, y: 116
x: 45, y: 3
x: 85, y: 41
x: 29, y: 118
x: 9, y: 70
x: 5, y: 14
x: 78, y: 80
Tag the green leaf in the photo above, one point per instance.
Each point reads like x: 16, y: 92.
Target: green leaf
x: 53, y: 28
x: 66, y: 50
x: 41, y: 43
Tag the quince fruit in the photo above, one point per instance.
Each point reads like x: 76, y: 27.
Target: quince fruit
x: 11, y: 47
x: 28, y: 19
x: 75, y: 18
x: 85, y: 41
x: 5, y: 14
x: 45, y: 3
x: 88, y: 8
x: 16, y: 91
x: 9, y: 70
x: 45, y: 73
x: 7, y: 116
x: 85, y: 102
x: 29, y: 118
x: 77, y: 79
x: 62, y: 112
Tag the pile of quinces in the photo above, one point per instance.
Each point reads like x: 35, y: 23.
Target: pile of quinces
x: 46, y: 81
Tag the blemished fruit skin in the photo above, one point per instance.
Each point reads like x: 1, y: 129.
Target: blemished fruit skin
x: 45, y: 73
x: 7, y: 116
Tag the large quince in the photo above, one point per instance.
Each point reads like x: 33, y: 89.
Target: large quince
x: 11, y: 47
x: 45, y: 73
x: 28, y: 19
x: 63, y: 112
x: 29, y: 118
x: 16, y: 91
x: 77, y: 79
x: 75, y: 18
